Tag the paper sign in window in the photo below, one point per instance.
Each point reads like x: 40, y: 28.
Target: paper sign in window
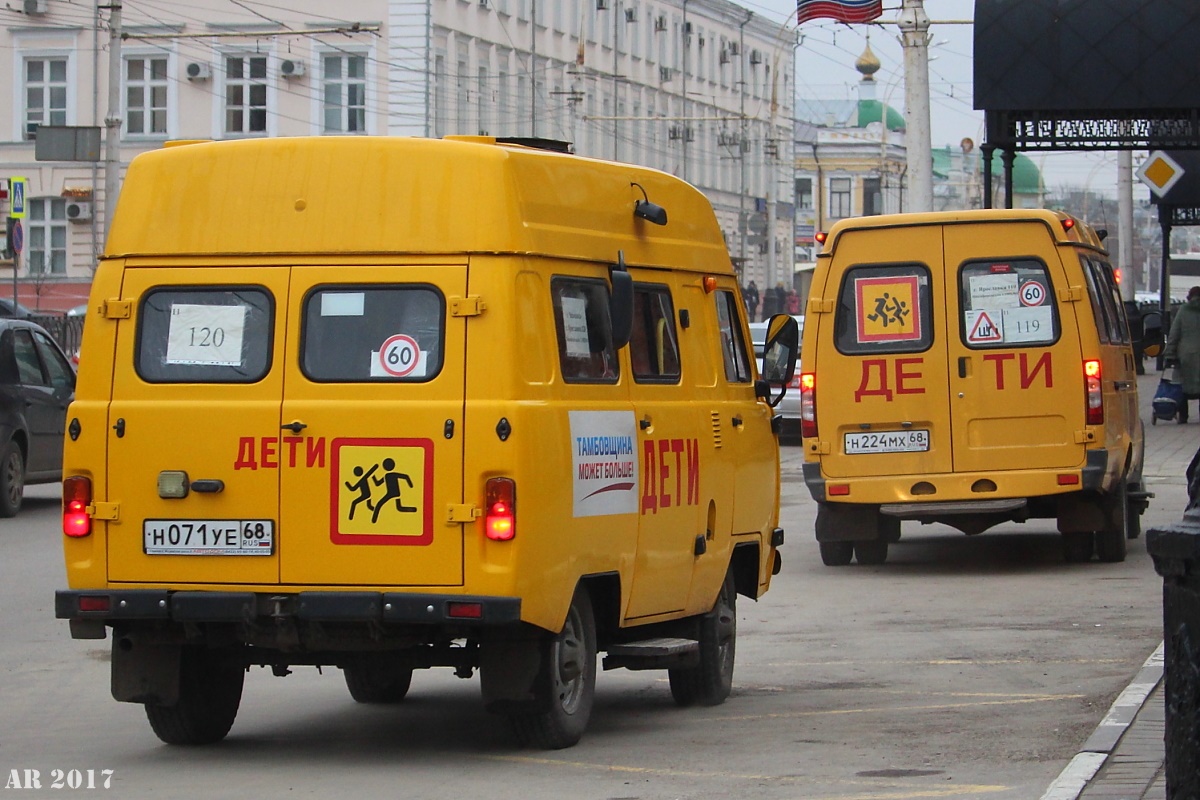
x: 994, y: 291
x: 575, y: 327
x: 342, y: 304
x: 210, y: 335
x: 888, y: 309
x: 1034, y: 324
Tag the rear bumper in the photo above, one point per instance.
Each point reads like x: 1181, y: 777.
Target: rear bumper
x: 960, y: 486
x: 123, y: 605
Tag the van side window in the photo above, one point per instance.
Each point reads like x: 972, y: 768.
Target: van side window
x: 654, y: 347
x: 1106, y: 302
x: 1007, y: 302
x: 733, y: 345
x: 204, y: 335
x: 884, y: 308
x: 582, y: 324
x: 362, y: 334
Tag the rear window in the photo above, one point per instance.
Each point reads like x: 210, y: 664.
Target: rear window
x: 1006, y: 303
x: 373, y: 334
x: 204, y: 335
x: 885, y: 308
x: 583, y: 327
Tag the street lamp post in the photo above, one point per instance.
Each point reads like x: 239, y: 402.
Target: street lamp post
x: 914, y: 36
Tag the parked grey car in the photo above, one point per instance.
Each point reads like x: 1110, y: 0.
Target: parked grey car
x: 789, y: 406
x: 37, y: 383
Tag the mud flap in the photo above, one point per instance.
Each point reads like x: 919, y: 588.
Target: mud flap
x: 145, y: 672
x: 1083, y: 512
x: 507, y: 670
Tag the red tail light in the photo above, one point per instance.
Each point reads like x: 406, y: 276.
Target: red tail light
x: 808, y: 405
x: 1095, y: 392
x: 500, y: 524
x: 77, y: 496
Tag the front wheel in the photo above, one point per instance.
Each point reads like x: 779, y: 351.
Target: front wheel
x: 710, y: 683
x: 210, y: 691
x: 565, y: 688
x: 12, y: 480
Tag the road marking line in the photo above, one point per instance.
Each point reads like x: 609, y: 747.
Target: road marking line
x: 894, y: 709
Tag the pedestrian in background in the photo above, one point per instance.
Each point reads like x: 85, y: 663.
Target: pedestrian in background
x: 1183, y: 349
x: 793, y: 302
x: 751, y: 295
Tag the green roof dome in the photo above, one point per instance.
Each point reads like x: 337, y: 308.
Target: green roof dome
x: 872, y: 110
x: 1027, y: 178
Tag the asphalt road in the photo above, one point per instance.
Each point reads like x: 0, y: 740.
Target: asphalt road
x: 962, y: 668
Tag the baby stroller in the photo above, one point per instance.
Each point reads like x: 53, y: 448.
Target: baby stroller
x: 1168, y: 399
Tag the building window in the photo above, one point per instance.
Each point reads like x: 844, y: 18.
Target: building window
x: 872, y: 197
x: 839, y: 198
x: 146, y: 96
x: 47, y: 236
x: 345, y: 93
x: 45, y: 93
x: 245, y: 94
x: 804, y: 193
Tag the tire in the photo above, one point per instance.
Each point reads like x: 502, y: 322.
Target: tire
x: 710, y: 683
x: 210, y: 691
x: 12, y: 480
x: 836, y: 554
x: 1110, y: 542
x: 377, y: 681
x: 871, y: 553
x: 1078, y: 546
x: 565, y: 688
x: 1133, y: 515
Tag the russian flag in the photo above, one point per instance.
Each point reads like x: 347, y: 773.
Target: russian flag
x: 840, y: 10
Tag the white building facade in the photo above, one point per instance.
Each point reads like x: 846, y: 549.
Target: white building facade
x: 702, y: 89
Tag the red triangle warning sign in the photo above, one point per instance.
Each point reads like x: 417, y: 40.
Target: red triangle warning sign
x: 984, y: 330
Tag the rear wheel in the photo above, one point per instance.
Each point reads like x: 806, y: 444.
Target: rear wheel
x: 1110, y: 542
x: 871, y: 553
x: 1078, y: 546
x: 565, y: 688
x: 210, y: 691
x: 12, y: 480
x: 377, y: 681
x: 836, y: 554
x: 710, y: 683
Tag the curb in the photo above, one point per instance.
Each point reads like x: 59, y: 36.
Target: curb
x: 1096, y: 750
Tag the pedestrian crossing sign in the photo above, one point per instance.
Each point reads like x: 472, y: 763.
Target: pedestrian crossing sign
x: 381, y: 491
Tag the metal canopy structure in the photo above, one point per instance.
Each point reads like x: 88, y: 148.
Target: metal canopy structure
x: 1081, y: 75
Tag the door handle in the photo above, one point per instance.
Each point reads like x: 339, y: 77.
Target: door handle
x: 737, y: 421
x: 962, y: 366
x: 644, y: 423
x: 294, y: 427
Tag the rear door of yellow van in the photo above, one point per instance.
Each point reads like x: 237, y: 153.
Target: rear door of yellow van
x: 880, y: 371
x: 197, y: 383
x: 1016, y: 368
x: 371, y: 434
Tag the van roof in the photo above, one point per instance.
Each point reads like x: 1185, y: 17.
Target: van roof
x: 342, y: 195
x: 1077, y: 232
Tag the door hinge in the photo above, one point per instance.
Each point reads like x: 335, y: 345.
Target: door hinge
x: 462, y: 512
x: 117, y: 309
x: 107, y: 511
x: 471, y: 306
x: 817, y: 305
x: 1071, y: 294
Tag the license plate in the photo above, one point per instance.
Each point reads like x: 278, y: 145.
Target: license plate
x: 914, y: 441
x: 208, y: 537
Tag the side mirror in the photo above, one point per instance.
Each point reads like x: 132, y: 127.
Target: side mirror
x: 780, y: 353
x: 620, y: 305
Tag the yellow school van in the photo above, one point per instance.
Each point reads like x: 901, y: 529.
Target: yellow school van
x: 969, y: 368
x: 388, y: 404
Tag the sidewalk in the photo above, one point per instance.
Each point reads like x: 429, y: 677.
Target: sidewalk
x: 1124, y: 758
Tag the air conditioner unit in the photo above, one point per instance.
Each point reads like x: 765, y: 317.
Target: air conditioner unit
x: 734, y: 49
x: 31, y: 130
x: 687, y: 29
x: 291, y: 68
x: 36, y: 6
x: 664, y: 73
x: 631, y: 15
x: 755, y: 57
x: 198, y: 71
x: 79, y: 212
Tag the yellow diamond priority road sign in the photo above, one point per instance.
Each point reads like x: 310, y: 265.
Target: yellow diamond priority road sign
x: 1160, y: 172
